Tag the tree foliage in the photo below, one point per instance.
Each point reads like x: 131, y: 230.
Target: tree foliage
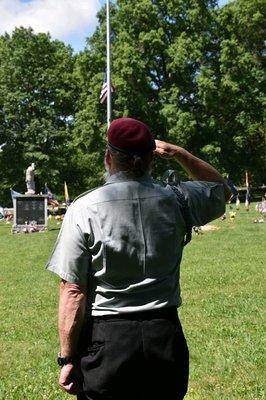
x: 190, y: 71
x: 157, y: 48
x: 232, y: 89
x: 37, y: 105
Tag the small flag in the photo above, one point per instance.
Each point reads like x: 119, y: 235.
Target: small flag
x: 66, y: 193
x: 248, y: 197
x: 48, y: 192
x: 104, y: 91
x: 14, y: 194
x: 247, y: 179
x: 232, y: 187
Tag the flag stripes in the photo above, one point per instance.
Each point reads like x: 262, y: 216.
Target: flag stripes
x: 104, y: 91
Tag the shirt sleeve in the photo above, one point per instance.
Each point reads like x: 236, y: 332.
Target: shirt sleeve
x: 206, y: 200
x: 70, y: 258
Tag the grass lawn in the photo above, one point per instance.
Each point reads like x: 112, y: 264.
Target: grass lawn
x: 222, y: 313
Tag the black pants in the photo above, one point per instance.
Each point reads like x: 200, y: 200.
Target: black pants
x: 142, y: 356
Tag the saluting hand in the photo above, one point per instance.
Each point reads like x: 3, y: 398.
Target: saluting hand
x: 164, y: 149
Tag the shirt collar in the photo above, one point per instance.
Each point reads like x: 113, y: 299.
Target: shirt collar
x: 126, y: 176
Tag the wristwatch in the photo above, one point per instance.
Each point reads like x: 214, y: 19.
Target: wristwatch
x: 61, y: 361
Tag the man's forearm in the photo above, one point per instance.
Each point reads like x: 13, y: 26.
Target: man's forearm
x: 72, y: 306
x: 196, y: 168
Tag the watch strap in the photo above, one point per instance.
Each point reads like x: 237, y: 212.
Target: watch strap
x: 61, y: 361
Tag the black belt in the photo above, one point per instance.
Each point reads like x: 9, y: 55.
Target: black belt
x: 160, y: 313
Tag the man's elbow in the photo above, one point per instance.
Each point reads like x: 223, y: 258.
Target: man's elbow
x: 72, y: 290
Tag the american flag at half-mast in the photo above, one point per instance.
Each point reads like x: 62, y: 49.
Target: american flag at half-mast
x: 104, y: 91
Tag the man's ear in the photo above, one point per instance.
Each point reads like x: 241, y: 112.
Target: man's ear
x: 108, y: 158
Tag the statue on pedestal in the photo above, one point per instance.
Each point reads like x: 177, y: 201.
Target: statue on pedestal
x: 30, y: 179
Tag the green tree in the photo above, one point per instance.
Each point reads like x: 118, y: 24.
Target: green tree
x: 157, y: 51
x: 191, y: 70
x: 231, y: 91
x: 37, y: 105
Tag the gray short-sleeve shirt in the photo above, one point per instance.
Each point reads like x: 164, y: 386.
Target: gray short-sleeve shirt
x: 124, y: 240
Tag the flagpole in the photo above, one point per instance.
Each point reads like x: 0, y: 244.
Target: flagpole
x: 108, y: 46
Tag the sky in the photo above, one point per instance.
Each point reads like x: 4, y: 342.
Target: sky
x: 68, y: 20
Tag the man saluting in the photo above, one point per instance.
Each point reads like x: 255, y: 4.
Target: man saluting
x: 118, y: 256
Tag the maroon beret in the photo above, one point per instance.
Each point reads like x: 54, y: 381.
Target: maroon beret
x: 130, y: 136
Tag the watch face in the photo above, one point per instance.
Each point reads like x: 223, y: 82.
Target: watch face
x: 60, y: 361
x: 64, y: 360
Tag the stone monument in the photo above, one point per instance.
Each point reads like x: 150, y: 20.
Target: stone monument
x: 30, y: 209
x: 30, y: 180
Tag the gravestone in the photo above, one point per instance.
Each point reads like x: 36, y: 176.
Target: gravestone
x: 30, y: 213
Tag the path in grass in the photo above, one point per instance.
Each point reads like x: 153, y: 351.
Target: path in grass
x: 222, y: 286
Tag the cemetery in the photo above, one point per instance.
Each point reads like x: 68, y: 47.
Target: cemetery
x: 174, y: 90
